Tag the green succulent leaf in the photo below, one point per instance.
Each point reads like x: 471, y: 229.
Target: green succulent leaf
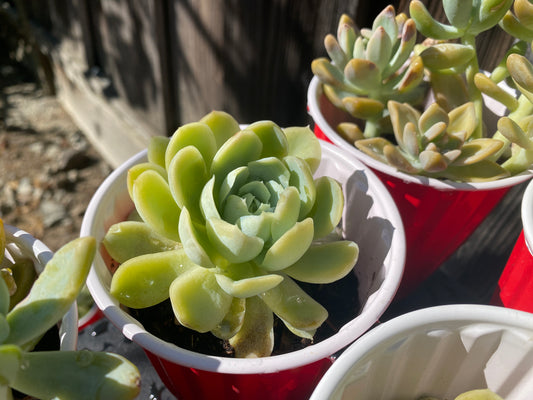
x: 302, y: 179
x: 156, y: 205
x: 430, y: 27
x: 248, y: 287
x: 187, y: 175
x: 129, y: 239
x: 272, y: 137
x: 325, y: 262
x: 77, y: 375
x: 386, y: 20
x: 458, y: 12
x: 4, y: 330
x: 514, y: 133
x: 138, y: 169
x: 53, y: 292
x: 144, y: 281
x: 232, y: 321
x: 266, y: 169
x: 289, y: 302
x: 489, y: 13
x: 478, y: 149
x: 523, y: 10
x: 335, y: 51
x: 194, y: 240
x: 10, y: 360
x: 222, y: 124
x: 363, y: 107
x: 289, y: 247
x: 362, y: 73
x: 286, y: 213
x: 242, y: 148
x: 447, y: 55
x: 4, y: 298
x: 483, y: 171
x: 521, y: 71
x: 303, y: 143
x: 379, y: 48
x: 198, y: 301
x: 329, y: 204
x: 196, y: 134
x: 231, y: 242
x: 463, y: 118
x: 490, y: 88
x: 407, y: 43
x: 256, y: 336
x: 157, y: 149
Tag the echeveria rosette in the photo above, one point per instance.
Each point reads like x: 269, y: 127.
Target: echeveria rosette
x: 231, y: 219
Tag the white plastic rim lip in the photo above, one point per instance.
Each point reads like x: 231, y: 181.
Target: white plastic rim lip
x: 313, y: 96
x: 133, y: 330
x: 401, y: 326
x: 527, y: 216
x: 41, y: 254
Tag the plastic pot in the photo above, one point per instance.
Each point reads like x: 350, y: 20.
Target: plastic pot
x: 438, y: 215
x: 438, y: 351
x: 370, y: 218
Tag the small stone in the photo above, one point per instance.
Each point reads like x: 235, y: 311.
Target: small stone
x: 52, y: 212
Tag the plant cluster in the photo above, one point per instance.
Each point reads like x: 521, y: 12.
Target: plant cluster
x: 230, y: 219
x: 422, y: 105
x: 30, y: 305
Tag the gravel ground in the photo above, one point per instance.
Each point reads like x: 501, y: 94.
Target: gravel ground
x: 48, y: 170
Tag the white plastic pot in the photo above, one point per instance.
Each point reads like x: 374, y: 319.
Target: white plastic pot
x: 370, y: 218
x: 438, y: 351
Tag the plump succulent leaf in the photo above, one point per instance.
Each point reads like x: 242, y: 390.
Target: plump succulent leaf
x: 222, y: 124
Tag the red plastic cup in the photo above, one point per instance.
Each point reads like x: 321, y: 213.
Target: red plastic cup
x: 370, y: 218
x: 515, y: 286
x: 438, y: 215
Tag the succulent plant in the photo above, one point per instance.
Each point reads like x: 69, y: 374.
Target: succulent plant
x: 230, y: 220
x: 446, y: 137
x: 29, y: 307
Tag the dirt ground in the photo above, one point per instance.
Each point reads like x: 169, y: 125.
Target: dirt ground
x: 48, y: 170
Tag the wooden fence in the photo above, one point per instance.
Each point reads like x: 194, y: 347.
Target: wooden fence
x: 130, y: 69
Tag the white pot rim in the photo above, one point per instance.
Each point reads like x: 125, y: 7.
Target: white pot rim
x: 313, y: 96
x: 403, y: 325
x: 135, y: 332
x: 41, y: 254
x: 526, y: 211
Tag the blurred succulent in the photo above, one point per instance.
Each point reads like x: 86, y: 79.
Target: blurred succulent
x: 29, y: 307
x: 451, y: 140
x: 231, y: 219
x: 368, y: 67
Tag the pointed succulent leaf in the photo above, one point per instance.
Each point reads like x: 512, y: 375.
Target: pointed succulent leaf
x: 222, y: 124
x: 449, y: 89
x: 373, y: 147
x: 81, y: 375
x: 327, y: 211
x: 379, y: 48
x: 138, y: 169
x: 232, y: 321
x: 401, y: 114
x: 483, y: 171
x: 395, y: 158
x: 325, y: 262
x: 458, y: 12
x: 198, y: 301
x: 363, y: 74
x: 432, y: 161
x: 409, y: 141
x: 256, y: 337
x: 407, y: 43
x: 432, y: 115
x: 514, y: 27
x: 446, y: 55
x: 359, y: 49
x: 350, y: 131
x: 195, y: 134
x: 386, y: 20
x: 53, y: 292
x: 363, y: 107
x: 302, y: 179
x: 521, y: 71
x: 208, y: 204
x: 187, y: 175
x: 346, y: 33
x: 231, y: 242
x: 328, y: 73
x: 157, y: 149
x: 289, y: 302
x: 272, y: 137
x: 155, y: 204
x: 430, y: 27
x: 478, y: 149
x: 412, y: 77
x: 514, y: 133
x: 144, y: 281
x: 194, y: 241
x: 239, y: 150
x: 463, y: 118
x: 289, y: 247
x: 335, y: 52
x: 523, y: 10
x: 248, y: 287
x: 129, y: 239
x: 303, y: 143
x: 487, y: 86
x: 435, y: 131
